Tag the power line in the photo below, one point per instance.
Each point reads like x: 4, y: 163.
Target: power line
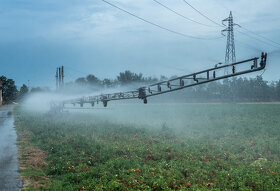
x: 243, y: 33
x: 223, y: 5
x: 256, y: 34
x: 203, y: 14
x: 159, y: 26
x: 248, y: 46
x: 260, y: 36
x: 182, y: 15
x: 237, y: 31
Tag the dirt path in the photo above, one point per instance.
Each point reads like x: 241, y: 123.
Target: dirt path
x: 9, y: 177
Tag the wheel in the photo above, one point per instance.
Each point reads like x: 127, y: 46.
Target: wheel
x: 145, y: 101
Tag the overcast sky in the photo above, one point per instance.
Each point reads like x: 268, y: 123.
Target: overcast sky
x: 90, y: 36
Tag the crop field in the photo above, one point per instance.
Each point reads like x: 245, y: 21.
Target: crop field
x: 151, y: 147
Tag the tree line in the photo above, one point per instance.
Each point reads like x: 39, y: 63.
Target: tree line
x: 229, y: 90
x: 124, y: 78
x: 236, y: 90
x: 10, y: 93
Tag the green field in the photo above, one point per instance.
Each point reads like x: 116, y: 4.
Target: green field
x: 154, y: 147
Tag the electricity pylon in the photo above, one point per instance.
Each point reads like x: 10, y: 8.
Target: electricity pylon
x: 230, y: 48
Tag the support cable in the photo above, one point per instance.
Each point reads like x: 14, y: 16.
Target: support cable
x: 256, y: 34
x: 183, y: 16
x: 243, y: 33
x: 245, y: 45
x: 159, y: 26
x: 203, y: 14
x: 240, y: 26
x: 261, y: 36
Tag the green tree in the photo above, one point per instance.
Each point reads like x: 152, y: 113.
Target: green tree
x: 278, y: 90
x: 107, y: 82
x: 36, y: 90
x: 81, y: 81
x: 9, y: 90
x: 92, y: 80
x: 261, y: 89
x: 22, y: 92
x: 129, y: 77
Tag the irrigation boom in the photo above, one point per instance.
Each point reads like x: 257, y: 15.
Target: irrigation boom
x: 194, y: 79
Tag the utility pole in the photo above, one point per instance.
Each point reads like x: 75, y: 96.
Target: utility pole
x: 62, y: 76
x: 230, y: 47
x: 56, y: 78
x: 1, y: 99
x: 59, y: 77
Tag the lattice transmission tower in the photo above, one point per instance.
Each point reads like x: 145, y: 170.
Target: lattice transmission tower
x: 230, y: 48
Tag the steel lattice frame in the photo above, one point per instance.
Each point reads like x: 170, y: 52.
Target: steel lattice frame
x: 194, y: 79
x: 230, y: 56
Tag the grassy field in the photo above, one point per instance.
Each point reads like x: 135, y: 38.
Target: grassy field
x: 152, y: 147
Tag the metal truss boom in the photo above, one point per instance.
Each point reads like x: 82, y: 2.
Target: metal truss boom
x: 194, y: 79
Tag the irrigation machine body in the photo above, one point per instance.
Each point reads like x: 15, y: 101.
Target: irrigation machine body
x: 178, y: 83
